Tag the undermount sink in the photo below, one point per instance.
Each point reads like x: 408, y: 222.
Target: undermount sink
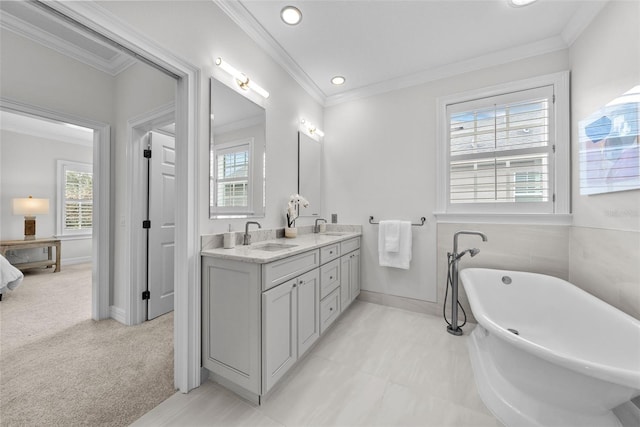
x: 273, y: 247
x: 334, y: 233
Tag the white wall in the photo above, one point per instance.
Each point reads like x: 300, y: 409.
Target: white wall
x: 605, y: 237
x: 199, y: 31
x: 42, y: 77
x: 381, y: 161
x: 39, y: 76
x: 28, y: 167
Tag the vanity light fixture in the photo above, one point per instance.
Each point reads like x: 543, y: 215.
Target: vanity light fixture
x: 291, y: 15
x: 338, y: 80
x: 520, y: 3
x: 243, y: 81
x: 311, y: 128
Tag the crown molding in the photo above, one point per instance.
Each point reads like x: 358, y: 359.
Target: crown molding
x: 581, y: 20
x: 44, y: 128
x: 245, y: 20
x: 113, y: 67
x: 481, y: 62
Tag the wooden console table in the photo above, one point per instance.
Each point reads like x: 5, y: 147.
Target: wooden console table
x: 9, y: 245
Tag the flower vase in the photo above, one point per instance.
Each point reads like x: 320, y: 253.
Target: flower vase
x: 290, y: 232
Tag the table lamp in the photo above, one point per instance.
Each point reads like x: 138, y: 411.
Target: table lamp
x: 30, y: 207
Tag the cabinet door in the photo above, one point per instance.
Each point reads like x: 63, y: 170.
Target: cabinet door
x: 231, y: 321
x: 308, y: 310
x: 354, y: 274
x: 345, y: 287
x: 279, y: 332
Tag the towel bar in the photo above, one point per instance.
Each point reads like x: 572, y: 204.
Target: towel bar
x: 422, y: 221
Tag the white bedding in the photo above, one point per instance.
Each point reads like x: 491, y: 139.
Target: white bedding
x: 10, y: 277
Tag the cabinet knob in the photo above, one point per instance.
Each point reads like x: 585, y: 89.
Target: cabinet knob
x: 294, y: 285
x: 330, y: 308
x: 330, y: 277
x: 330, y: 252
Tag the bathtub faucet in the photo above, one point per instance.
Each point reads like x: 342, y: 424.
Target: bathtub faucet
x: 476, y: 233
x: 454, y: 257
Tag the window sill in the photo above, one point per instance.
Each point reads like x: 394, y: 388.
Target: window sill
x: 74, y: 237
x: 494, y: 218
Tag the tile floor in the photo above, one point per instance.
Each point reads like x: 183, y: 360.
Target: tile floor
x: 376, y: 366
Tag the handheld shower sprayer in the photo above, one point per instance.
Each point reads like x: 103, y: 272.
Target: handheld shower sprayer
x: 452, y: 280
x: 473, y: 252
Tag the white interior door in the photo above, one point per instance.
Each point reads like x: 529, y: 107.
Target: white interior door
x: 162, y: 230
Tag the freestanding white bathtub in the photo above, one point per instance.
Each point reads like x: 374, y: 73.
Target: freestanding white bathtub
x: 546, y: 353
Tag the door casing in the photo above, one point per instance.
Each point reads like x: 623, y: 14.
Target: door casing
x: 187, y: 319
x: 135, y: 262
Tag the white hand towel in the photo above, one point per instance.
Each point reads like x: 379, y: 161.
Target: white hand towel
x: 401, y: 258
x: 391, y: 232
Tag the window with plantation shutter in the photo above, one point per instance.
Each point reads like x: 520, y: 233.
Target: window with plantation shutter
x: 75, y: 200
x: 499, y: 152
x: 231, y: 166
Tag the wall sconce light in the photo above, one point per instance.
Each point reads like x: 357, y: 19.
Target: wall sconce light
x: 243, y: 81
x: 312, y: 129
x: 30, y: 207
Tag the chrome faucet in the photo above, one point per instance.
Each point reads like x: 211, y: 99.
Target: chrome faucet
x: 247, y: 237
x: 316, y: 228
x: 455, y: 239
x: 453, y: 328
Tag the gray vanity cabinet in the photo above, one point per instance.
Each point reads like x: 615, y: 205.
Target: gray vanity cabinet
x: 349, y: 272
x: 231, y: 300
x: 258, y: 319
x: 280, y: 331
x: 290, y: 324
x: 308, y: 310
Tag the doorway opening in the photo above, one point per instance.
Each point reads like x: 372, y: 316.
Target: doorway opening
x: 113, y: 32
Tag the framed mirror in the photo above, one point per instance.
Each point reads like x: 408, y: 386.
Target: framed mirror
x: 310, y: 174
x: 237, y: 153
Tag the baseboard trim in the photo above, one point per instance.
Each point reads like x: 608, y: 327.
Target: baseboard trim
x: 409, y: 304
x: 118, y: 314
x: 78, y: 260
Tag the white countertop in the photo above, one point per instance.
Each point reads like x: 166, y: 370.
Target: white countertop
x: 253, y: 253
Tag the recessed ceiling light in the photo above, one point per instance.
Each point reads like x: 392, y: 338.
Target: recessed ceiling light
x: 338, y: 80
x: 520, y: 3
x: 291, y: 15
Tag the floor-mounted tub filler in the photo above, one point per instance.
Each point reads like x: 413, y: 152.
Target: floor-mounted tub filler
x: 546, y: 353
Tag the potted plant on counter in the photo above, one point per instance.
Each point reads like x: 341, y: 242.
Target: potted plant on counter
x: 293, y: 207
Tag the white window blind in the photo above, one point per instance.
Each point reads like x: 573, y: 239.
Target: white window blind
x: 75, y: 200
x: 500, y: 150
x: 232, y: 175
x: 78, y: 204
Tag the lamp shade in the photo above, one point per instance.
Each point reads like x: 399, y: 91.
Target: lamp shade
x: 30, y: 206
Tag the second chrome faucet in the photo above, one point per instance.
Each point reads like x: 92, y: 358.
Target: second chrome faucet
x: 247, y: 237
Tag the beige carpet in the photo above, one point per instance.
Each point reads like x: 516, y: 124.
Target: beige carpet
x: 59, y: 367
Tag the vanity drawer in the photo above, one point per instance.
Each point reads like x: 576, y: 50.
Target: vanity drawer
x: 328, y: 253
x: 282, y: 270
x: 329, y: 277
x: 349, y: 245
x: 329, y: 309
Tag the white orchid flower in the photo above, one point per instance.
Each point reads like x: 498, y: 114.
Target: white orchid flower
x: 292, y: 208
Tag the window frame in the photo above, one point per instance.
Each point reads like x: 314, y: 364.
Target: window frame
x: 62, y: 167
x: 559, y: 135
x: 231, y: 210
